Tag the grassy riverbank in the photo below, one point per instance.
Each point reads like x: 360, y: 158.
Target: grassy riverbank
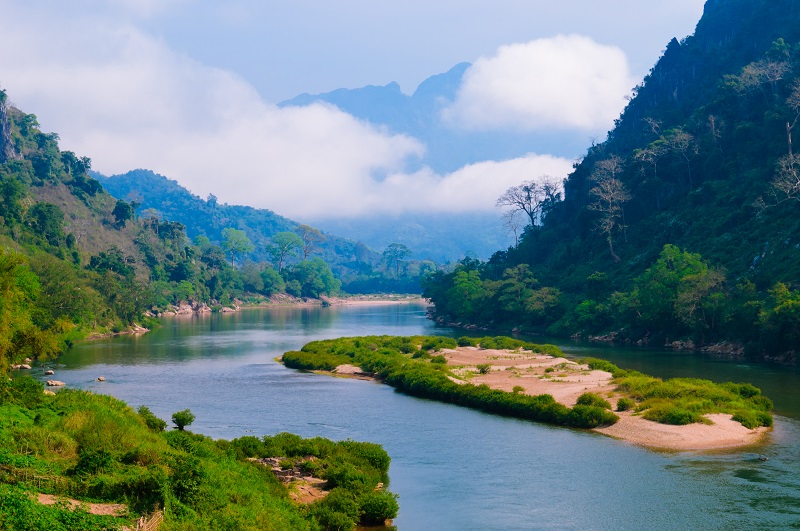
x: 89, y: 447
x: 511, y: 377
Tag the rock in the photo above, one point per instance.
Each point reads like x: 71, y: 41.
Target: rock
x: 21, y: 366
x: 28, y: 360
x: 48, y: 392
x: 101, y: 378
x: 49, y: 373
x: 55, y: 383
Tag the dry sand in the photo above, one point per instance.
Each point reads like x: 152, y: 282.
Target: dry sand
x: 566, y: 380
x: 108, y: 509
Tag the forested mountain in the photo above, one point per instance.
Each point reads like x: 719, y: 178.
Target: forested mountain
x: 163, y: 198
x: 74, y: 260
x: 685, y: 222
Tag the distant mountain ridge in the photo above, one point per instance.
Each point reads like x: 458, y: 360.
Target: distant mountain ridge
x: 419, y: 116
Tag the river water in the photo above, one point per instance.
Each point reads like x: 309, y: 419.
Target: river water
x: 454, y: 468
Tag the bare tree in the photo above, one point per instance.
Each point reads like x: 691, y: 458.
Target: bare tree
x: 511, y: 223
x: 679, y: 141
x: 786, y: 184
x: 793, y: 101
x: 532, y: 197
x: 311, y: 239
x: 610, y: 193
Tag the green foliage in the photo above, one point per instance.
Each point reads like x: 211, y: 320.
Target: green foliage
x: 377, y: 507
x: 593, y: 399
x: 483, y: 368
x: 686, y: 400
x: 182, y: 418
x: 625, y: 404
x: 95, y: 447
x: 705, y: 151
x: 151, y: 421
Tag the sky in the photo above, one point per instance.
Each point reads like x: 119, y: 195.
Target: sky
x: 188, y: 88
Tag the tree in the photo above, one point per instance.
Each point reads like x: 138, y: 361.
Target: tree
x: 679, y: 141
x: 235, y: 241
x: 311, y: 239
x: 183, y: 418
x: 394, y: 254
x: 47, y: 220
x: 532, y: 197
x: 284, y: 245
x: 786, y: 184
x: 314, y: 278
x: 123, y: 211
x: 610, y: 193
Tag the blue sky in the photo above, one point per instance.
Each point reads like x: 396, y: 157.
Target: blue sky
x: 188, y: 88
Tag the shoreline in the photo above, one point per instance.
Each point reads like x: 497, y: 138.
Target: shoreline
x: 566, y: 380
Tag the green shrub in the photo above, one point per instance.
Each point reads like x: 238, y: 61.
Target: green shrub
x: 465, y: 341
x: 483, y: 368
x: 591, y: 417
x: 518, y: 389
x: 592, y: 399
x: 625, y: 404
x: 154, y: 423
x: 377, y: 507
x: 439, y: 360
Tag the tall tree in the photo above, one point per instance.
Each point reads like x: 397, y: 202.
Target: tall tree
x: 235, y: 241
x: 394, y: 254
x: 610, y: 193
x: 532, y: 197
x: 311, y: 239
x: 284, y: 245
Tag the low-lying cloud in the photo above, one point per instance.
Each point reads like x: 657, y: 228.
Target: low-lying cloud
x: 564, y: 82
x: 125, y: 99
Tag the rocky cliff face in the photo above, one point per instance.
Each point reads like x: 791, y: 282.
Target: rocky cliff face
x: 7, y: 151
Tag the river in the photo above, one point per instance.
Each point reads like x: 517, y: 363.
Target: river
x: 454, y: 468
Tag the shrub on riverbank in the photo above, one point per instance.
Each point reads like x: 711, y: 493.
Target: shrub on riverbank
x: 81, y: 445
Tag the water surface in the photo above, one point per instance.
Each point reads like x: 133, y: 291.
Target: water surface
x: 453, y: 468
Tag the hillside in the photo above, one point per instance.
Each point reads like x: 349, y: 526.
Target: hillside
x: 684, y: 223
x: 163, y: 198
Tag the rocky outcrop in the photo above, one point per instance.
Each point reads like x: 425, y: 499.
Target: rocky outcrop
x: 55, y: 383
x: 7, y: 149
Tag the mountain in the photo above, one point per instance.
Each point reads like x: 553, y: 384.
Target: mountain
x: 166, y: 199
x: 419, y: 116
x: 685, y: 222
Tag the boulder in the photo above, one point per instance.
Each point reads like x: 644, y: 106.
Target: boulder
x: 49, y: 373
x: 49, y: 392
x: 101, y: 378
x: 55, y: 383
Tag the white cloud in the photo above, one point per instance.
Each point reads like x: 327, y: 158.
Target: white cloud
x: 472, y: 188
x: 125, y: 99
x: 561, y: 82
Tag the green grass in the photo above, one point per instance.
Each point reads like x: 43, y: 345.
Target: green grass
x: 686, y: 400
x: 96, y: 448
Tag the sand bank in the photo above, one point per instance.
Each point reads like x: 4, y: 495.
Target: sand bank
x: 566, y: 380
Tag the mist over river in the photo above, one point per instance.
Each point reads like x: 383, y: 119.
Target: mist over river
x: 454, y: 468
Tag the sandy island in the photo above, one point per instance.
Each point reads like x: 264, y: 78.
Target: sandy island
x: 566, y: 380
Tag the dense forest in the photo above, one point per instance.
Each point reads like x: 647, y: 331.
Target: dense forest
x: 357, y: 266
x: 683, y: 224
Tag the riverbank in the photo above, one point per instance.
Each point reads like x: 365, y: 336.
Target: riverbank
x: 525, y: 375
